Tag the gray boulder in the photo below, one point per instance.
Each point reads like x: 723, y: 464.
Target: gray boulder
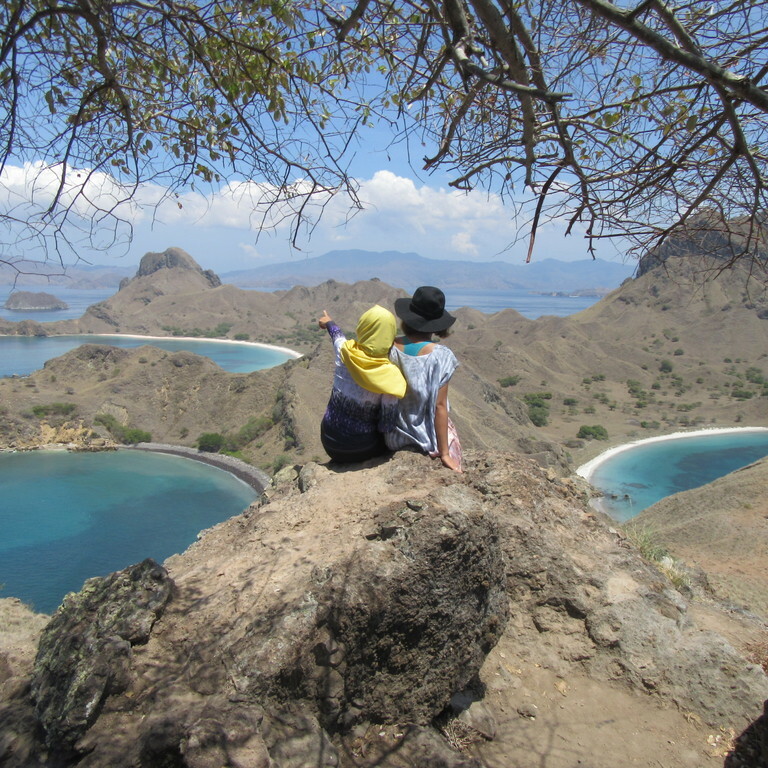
x: 85, y: 652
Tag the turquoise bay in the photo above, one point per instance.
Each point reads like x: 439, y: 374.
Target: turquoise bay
x: 20, y: 355
x: 637, y: 475
x: 67, y: 517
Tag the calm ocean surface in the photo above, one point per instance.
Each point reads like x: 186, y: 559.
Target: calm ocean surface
x: 68, y: 516
x: 527, y: 304
x: 648, y: 472
x: 77, y: 301
x: 20, y: 355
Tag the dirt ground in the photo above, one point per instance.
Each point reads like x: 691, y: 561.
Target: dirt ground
x: 540, y: 714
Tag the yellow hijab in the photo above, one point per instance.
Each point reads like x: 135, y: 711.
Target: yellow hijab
x: 367, y: 357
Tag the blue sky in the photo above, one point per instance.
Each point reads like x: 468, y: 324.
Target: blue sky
x: 403, y: 210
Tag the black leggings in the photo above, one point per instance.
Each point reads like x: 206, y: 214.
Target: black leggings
x: 350, y: 448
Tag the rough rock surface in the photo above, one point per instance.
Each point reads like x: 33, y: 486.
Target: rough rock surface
x: 85, y: 652
x: 355, y: 608
x: 33, y: 300
x: 174, y: 258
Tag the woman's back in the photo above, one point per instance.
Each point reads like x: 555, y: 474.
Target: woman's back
x: 425, y: 373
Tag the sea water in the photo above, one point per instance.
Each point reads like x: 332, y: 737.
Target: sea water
x: 639, y: 476
x: 66, y: 516
x: 528, y: 304
x: 20, y: 355
x: 77, y: 302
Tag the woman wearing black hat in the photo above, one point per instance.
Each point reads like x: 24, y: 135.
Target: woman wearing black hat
x: 422, y: 421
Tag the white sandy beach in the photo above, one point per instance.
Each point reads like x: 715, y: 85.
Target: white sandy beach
x: 205, y: 339
x: 587, y: 470
x: 287, y: 350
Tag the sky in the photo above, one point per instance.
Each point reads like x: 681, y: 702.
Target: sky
x: 403, y: 209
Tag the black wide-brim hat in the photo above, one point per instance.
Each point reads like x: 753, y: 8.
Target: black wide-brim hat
x: 425, y: 310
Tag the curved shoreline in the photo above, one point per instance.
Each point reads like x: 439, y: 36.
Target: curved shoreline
x: 252, y: 476
x: 247, y: 473
x: 588, y: 469
x: 202, y: 339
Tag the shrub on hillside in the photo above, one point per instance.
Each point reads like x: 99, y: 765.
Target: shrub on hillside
x: 594, y: 432
x: 53, y: 409
x: 121, y: 433
x: 255, y: 427
x: 509, y: 381
x: 210, y: 442
x: 538, y: 408
x: 132, y: 436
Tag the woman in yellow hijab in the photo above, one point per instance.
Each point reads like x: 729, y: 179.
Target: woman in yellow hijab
x: 366, y: 388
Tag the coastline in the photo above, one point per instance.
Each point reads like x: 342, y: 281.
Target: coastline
x: 247, y: 473
x: 287, y: 350
x: 252, y: 476
x: 588, y: 469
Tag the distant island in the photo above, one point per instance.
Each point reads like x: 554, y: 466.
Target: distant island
x: 30, y: 301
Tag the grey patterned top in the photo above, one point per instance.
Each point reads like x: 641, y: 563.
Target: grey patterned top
x: 425, y: 374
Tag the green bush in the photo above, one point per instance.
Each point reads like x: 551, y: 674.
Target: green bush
x: 280, y: 461
x: 53, y: 409
x: 222, y: 329
x: 594, y: 432
x: 509, y: 381
x: 124, y: 435
x: 211, y: 442
x: 133, y: 436
x: 538, y: 408
x: 254, y: 428
x: 537, y: 398
x: 665, y: 366
x: 539, y: 415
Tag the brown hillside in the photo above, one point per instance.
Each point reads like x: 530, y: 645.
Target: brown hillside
x: 713, y: 336
x: 721, y: 528
x: 602, y: 366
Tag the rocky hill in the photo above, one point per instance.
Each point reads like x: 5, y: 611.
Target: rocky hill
x: 33, y: 300
x: 333, y: 624
x: 722, y: 529
x: 394, y: 615
x: 177, y: 397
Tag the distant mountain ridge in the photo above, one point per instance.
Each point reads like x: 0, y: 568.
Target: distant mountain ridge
x: 30, y: 273
x: 403, y: 270
x: 409, y: 270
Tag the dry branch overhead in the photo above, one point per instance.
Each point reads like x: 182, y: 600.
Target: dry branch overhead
x: 651, y: 116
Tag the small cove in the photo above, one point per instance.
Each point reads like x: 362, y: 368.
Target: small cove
x: 21, y: 355
x: 636, y: 475
x: 69, y: 516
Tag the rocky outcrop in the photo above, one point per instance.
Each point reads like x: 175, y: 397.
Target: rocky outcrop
x: 382, y: 619
x: 21, y: 301
x: 85, y: 653
x: 172, y: 258
x: 335, y: 622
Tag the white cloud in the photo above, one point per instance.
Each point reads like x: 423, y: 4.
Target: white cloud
x: 397, y: 214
